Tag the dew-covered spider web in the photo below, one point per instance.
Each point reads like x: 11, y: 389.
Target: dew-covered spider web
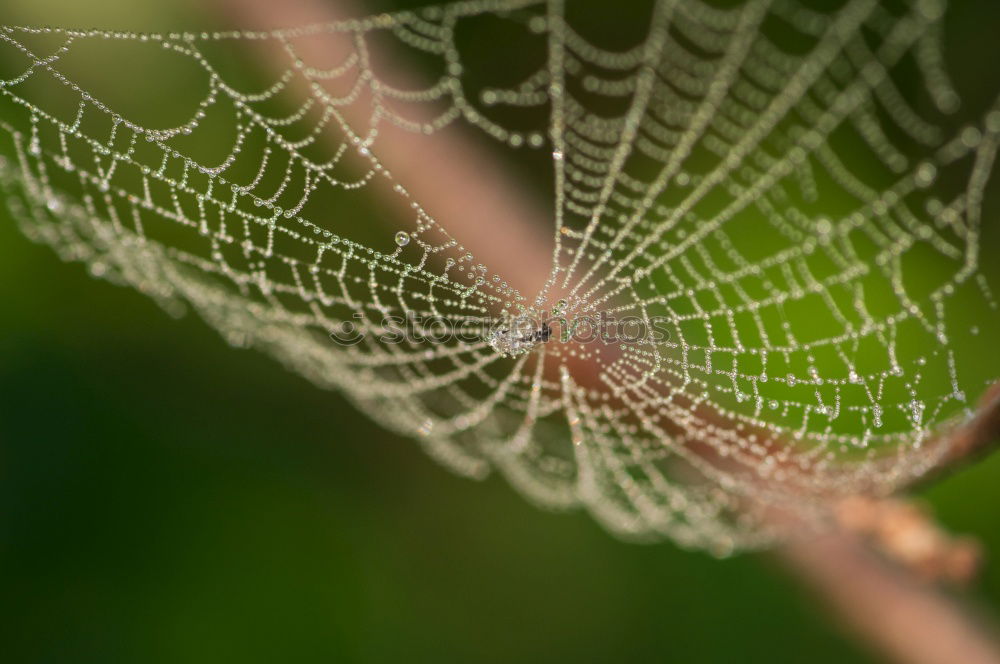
x: 791, y: 191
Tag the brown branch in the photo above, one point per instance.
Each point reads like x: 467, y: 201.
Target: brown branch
x: 884, y: 604
x: 909, y: 621
x: 908, y: 535
x: 977, y: 437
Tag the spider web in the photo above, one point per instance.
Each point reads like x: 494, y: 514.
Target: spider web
x: 781, y: 187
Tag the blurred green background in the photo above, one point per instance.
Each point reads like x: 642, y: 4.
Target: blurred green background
x: 166, y: 498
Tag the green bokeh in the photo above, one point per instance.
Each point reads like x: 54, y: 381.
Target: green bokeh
x: 169, y: 499
x: 165, y: 498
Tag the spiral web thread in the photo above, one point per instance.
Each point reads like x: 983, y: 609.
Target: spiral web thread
x: 700, y: 176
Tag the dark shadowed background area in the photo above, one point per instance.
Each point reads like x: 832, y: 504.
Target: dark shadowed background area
x: 166, y: 498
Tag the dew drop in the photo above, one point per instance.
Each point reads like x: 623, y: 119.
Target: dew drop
x: 877, y: 416
x: 925, y: 174
x: 402, y: 238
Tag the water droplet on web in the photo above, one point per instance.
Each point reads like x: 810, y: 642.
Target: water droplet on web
x: 971, y: 137
x: 537, y: 24
x: 402, y: 238
x: 517, y: 336
x: 993, y: 121
x: 925, y: 174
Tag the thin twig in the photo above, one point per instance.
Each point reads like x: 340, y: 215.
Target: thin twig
x: 909, y: 621
x: 977, y: 437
